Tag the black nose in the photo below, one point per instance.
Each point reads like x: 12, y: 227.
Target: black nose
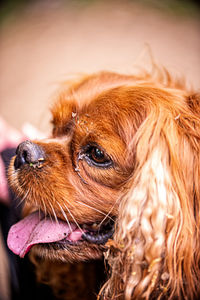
x: 28, y: 153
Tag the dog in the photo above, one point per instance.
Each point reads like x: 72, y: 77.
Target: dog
x: 119, y: 177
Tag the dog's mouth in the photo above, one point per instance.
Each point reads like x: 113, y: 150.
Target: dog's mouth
x: 37, y: 228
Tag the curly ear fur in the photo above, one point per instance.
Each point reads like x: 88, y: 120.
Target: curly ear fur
x: 157, y: 237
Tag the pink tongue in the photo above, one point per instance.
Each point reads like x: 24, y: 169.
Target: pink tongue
x: 35, y: 229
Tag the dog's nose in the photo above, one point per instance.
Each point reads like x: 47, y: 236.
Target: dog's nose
x: 28, y: 153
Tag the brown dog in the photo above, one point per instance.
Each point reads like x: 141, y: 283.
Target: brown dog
x: 120, y: 174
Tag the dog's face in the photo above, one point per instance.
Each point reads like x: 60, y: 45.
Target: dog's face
x: 80, y: 173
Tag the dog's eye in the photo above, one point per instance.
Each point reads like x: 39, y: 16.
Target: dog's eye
x: 97, y: 157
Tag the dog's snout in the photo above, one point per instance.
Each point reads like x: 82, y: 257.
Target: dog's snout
x: 28, y: 153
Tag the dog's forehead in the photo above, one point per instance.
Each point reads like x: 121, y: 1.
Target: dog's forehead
x: 111, y: 113
x: 103, y: 105
x: 75, y: 96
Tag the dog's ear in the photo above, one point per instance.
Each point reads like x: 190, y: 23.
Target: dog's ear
x: 157, y: 232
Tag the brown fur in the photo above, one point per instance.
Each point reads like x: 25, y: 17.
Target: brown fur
x: 150, y: 127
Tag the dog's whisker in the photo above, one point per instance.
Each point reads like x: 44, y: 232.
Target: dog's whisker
x: 107, y: 216
x: 95, y: 209
x: 65, y: 216
x: 73, y: 217
x: 44, y: 206
x: 21, y: 193
x: 53, y: 210
x: 54, y: 213
x: 23, y: 198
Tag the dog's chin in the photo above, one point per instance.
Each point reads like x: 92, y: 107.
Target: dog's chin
x: 81, y: 251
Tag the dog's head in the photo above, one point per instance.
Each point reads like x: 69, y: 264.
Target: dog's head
x: 78, y: 174
x: 123, y: 156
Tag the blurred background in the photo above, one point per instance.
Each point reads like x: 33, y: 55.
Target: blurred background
x: 45, y: 41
